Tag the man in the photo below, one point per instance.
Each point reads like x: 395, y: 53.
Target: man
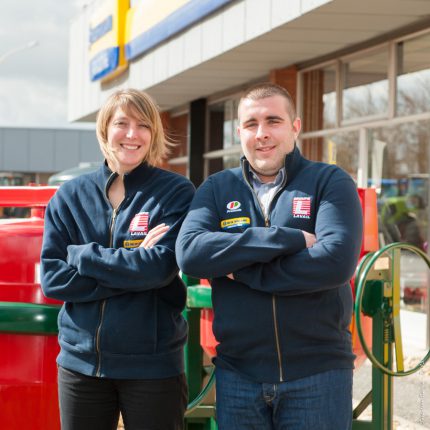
x: 279, y: 238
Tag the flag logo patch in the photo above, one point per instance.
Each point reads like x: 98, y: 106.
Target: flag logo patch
x: 139, y: 224
x: 302, y: 207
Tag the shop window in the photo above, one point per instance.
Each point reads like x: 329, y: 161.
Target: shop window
x: 340, y: 149
x: 222, y: 125
x: 365, y: 86
x: 399, y: 170
x: 224, y: 144
x: 413, y: 76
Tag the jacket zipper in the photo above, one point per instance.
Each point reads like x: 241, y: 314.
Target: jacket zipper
x: 275, y: 317
x: 103, y: 305
x: 267, y: 224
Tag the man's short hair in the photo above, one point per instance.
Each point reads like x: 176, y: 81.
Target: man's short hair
x: 268, y: 89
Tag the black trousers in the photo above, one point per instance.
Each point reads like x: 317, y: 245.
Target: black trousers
x: 89, y: 403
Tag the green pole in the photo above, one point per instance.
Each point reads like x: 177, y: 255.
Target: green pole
x: 200, y: 417
x: 382, y: 405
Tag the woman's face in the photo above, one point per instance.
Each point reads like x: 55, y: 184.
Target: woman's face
x: 129, y: 140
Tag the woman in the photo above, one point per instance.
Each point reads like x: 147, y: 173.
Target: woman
x: 108, y: 253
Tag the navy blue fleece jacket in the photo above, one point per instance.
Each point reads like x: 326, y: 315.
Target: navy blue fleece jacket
x: 287, y: 312
x: 122, y: 312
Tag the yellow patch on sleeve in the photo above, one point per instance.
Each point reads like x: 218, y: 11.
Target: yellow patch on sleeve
x: 235, y: 222
x: 132, y: 243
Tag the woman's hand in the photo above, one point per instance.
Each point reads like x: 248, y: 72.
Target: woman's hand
x: 154, y: 235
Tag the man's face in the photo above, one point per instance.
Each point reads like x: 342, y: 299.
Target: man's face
x: 267, y: 134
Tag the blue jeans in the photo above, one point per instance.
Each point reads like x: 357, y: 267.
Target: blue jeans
x: 322, y: 401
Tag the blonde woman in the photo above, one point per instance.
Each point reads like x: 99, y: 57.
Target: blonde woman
x: 108, y: 253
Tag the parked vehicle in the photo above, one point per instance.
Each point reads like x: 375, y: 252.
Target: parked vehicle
x: 65, y: 175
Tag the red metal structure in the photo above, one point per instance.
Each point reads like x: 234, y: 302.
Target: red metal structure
x: 370, y: 244
x: 28, y: 341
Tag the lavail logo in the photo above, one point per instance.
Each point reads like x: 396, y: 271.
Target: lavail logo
x: 139, y: 224
x: 233, y: 206
x: 302, y: 207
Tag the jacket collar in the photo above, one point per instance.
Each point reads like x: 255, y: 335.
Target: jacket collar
x: 291, y: 163
x: 133, y: 180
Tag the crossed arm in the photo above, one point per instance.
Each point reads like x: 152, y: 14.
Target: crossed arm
x: 90, y: 271
x: 204, y: 251
x: 277, y: 259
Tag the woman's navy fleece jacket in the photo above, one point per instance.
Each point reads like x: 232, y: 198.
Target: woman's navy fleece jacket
x: 122, y: 312
x: 286, y: 314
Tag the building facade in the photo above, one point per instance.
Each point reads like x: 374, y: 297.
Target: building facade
x: 34, y: 154
x: 358, y: 70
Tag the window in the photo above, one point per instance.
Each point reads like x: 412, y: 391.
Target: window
x: 224, y: 144
x: 399, y: 170
x: 340, y: 148
x: 369, y: 112
x: 413, y: 76
x: 365, y: 86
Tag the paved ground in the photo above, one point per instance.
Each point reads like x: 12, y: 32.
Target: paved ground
x: 411, y: 393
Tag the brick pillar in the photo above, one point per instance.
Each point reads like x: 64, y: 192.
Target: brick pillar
x: 286, y: 78
x: 165, y: 119
x: 178, y: 132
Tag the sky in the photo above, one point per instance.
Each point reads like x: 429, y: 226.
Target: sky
x: 33, y: 82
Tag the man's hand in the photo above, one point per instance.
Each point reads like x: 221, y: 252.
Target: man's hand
x: 230, y: 275
x: 310, y: 239
x: 154, y: 235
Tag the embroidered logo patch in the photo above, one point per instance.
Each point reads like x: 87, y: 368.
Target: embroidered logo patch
x: 139, y: 224
x: 233, y: 206
x: 235, y: 222
x: 302, y: 207
x: 132, y: 243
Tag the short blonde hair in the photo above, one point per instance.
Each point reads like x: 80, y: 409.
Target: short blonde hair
x: 268, y: 89
x: 141, y: 106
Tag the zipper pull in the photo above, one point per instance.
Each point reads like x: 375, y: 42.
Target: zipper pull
x: 112, y: 225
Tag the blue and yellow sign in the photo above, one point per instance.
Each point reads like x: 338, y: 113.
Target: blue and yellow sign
x: 119, y: 33
x: 151, y: 22
x: 107, y: 34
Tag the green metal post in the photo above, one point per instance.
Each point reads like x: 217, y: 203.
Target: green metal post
x: 376, y: 304
x: 198, y: 297
x: 193, y: 353
x: 382, y: 404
